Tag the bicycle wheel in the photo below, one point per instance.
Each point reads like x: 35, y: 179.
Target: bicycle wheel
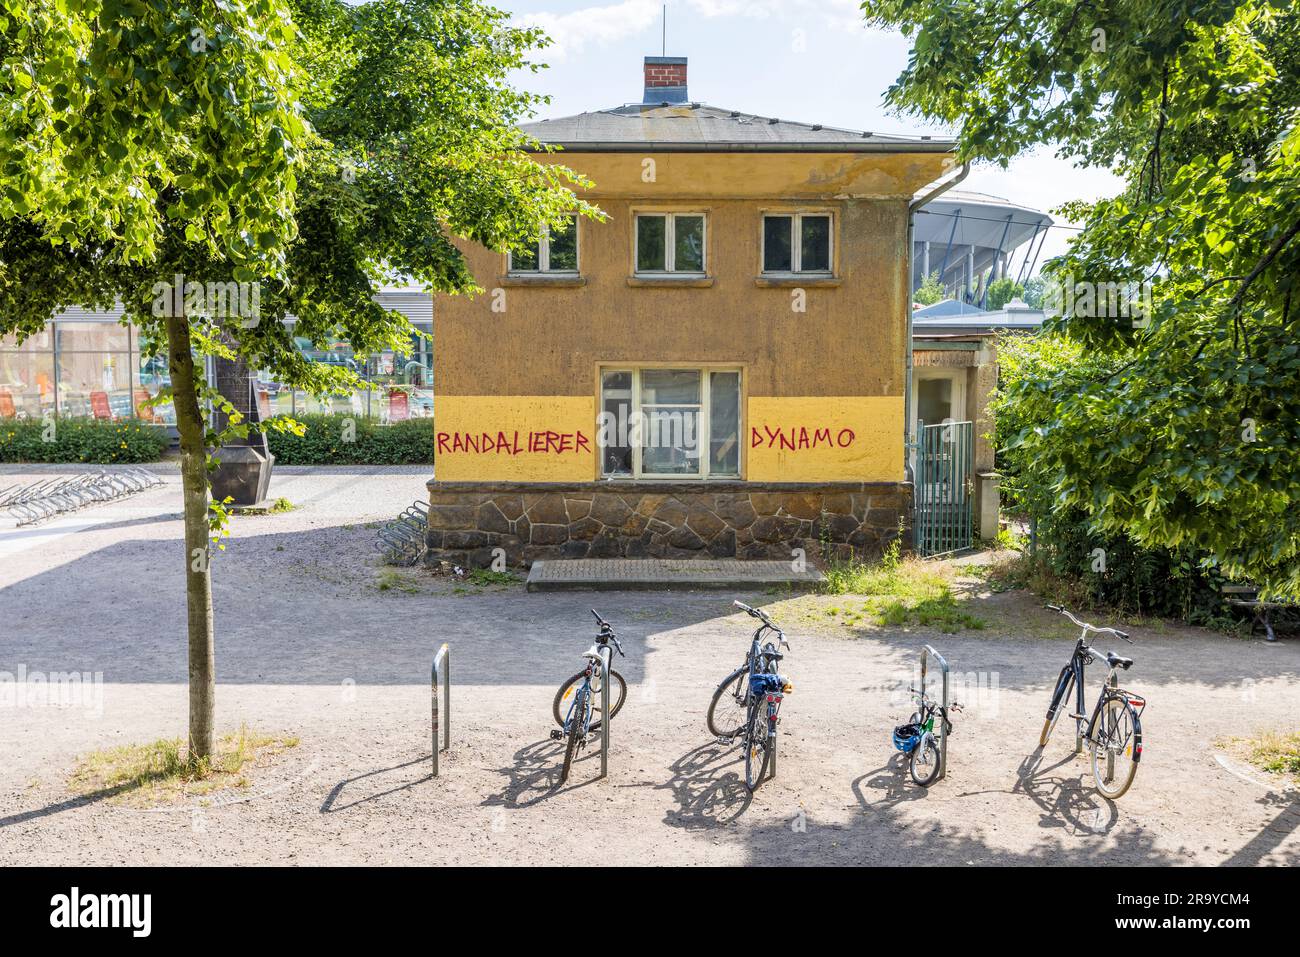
x: 727, y: 710
x: 757, y: 751
x: 617, y: 695
x: 925, y: 761
x: 1060, y: 704
x: 1116, y: 747
x: 577, y: 730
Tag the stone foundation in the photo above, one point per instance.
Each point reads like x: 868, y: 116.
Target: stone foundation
x: 469, y: 520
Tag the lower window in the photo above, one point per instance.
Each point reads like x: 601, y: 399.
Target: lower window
x: 669, y: 423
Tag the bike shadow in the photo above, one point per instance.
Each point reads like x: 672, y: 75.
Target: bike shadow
x: 1065, y: 801
x: 535, y: 774
x: 709, y: 791
x: 892, y: 783
x: 332, y: 803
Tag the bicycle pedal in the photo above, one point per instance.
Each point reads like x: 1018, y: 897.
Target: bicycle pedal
x: 557, y: 734
x: 1078, y: 717
x: 722, y: 739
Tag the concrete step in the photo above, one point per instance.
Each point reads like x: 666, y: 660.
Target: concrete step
x: 654, y: 574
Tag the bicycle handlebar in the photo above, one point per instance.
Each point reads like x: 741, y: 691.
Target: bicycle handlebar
x: 762, y: 616
x: 1087, y: 627
x: 607, y: 631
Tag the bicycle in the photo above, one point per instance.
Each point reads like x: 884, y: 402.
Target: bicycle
x: 1114, y: 730
x: 577, y: 725
x: 748, y: 709
x: 562, y: 704
x: 917, y: 740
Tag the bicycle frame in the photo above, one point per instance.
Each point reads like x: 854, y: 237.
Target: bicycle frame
x: 584, y: 695
x: 1077, y: 667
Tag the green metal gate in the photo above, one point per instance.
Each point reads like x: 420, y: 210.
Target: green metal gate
x: 943, y: 494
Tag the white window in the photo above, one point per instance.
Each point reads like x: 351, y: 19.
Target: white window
x: 797, y: 243
x: 669, y: 423
x: 670, y: 243
x: 555, y: 252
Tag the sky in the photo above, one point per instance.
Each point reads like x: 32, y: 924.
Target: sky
x: 813, y: 61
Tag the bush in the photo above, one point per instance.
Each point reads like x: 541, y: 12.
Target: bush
x: 99, y: 441
x: 323, y: 442
x: 1066, y: 563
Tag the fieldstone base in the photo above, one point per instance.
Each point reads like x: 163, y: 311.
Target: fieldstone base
x: 468, y: 521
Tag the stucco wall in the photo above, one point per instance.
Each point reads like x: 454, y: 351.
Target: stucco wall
x: 835, y: 368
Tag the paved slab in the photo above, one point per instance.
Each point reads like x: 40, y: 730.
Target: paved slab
x: 654, y: 574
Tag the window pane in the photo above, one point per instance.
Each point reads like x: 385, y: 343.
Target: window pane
x: 564, y: 247
x: 616, y: 423
x: 26, y: 384
x: 670, y: 387
x: 91, y: 337
x: 689, y: 245
x: 524, y: 260
x: 95, y: 384
x: 724, y: 423
x: 815, y: 251
x: 776, y: 243
x: 650, y: 244
x: 670, y: 420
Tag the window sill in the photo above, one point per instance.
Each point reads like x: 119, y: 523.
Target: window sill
x: 677, y: 282
x: 793, y: 281
x: 559, y: 280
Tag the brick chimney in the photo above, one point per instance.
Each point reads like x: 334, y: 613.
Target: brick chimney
x: 665, y: 79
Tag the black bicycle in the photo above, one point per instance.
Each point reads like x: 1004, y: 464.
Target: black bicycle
x: 584, y: 689
x: 1113, y: 732
x: 746, y: 703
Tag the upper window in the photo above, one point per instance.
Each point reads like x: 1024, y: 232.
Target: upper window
x: 670, y: 243
x: 797, y: 243
x: 555, y: 252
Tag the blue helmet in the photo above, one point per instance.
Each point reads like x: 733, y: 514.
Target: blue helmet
x: 907, y: 737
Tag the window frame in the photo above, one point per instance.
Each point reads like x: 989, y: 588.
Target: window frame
x: 796, y: 217
x: 670, y: 244
x: 704, y: 431
x: 544, y: 255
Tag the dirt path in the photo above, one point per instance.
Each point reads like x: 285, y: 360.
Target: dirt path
x: 330, y: 657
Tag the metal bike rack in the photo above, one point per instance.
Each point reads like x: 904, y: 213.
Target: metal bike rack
x: 441, y: 674
x: 926, y: 653
x: 45, y: 499
x: 402, y: 541
x: 605, y: 716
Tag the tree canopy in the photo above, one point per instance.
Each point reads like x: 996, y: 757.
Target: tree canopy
x: 1193, y: 440
x: 311, y: 149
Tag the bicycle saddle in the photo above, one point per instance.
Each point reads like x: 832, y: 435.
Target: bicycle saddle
x: 771, y: 654
x: 1115, y: 661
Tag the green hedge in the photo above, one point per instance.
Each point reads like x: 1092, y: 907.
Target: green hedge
x: 1133, y: 579
x: 402, y: 443
x: 101, y: 441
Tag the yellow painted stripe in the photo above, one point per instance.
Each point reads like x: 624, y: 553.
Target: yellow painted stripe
x: 515, y: 438
x: 825, y: 439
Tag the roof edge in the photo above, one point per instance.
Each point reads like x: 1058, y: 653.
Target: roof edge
x: 653, y: 146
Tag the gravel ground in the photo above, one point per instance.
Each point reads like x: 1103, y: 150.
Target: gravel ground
x: 309, y: 644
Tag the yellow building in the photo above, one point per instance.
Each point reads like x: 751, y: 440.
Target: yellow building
x: 719, y: 368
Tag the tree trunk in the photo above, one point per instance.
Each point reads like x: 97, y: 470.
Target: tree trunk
x: 198, y: 578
